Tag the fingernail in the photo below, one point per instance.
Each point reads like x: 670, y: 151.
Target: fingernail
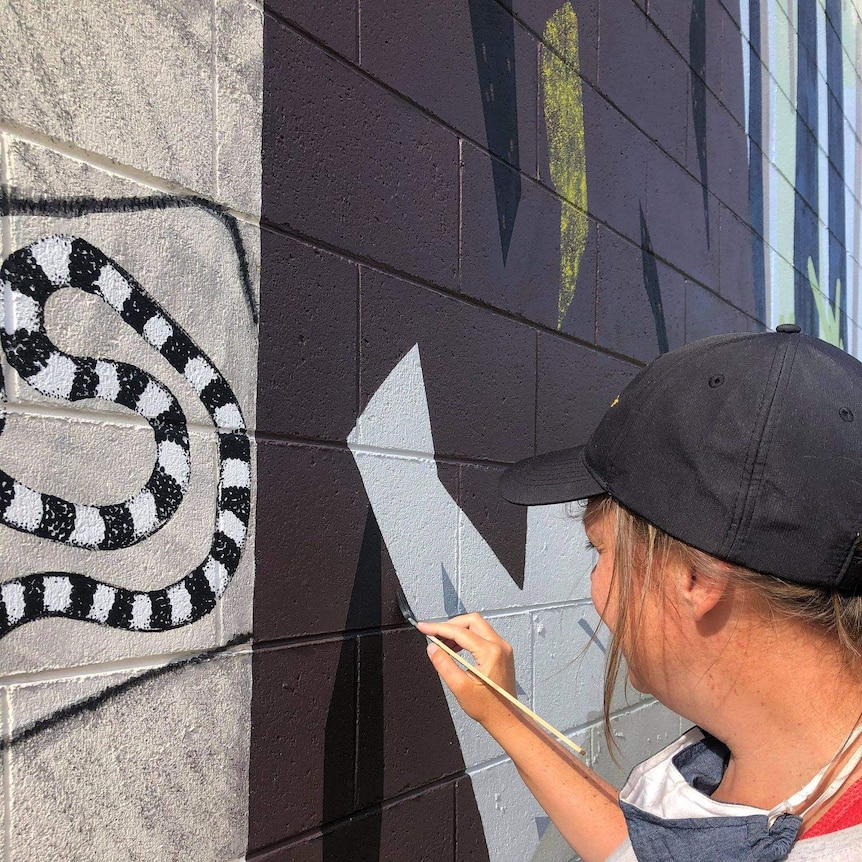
x: 431, y: 649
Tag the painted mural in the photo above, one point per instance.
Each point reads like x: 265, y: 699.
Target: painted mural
x: 802, y: 66
x: 281, y: 299
x: 129, y: 278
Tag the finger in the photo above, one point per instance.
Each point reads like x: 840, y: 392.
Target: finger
x: 463, y: 638
x: 476, y: 623
x: 455, y: 676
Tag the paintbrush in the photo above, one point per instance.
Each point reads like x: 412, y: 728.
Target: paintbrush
x: 408, y: 615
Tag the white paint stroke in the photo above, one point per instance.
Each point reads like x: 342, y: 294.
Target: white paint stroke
x: 426, y: 533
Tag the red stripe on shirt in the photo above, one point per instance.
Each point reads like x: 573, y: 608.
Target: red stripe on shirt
x: 846, y: 812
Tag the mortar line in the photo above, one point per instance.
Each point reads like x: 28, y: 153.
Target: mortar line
x: 123, y: 665
x: 574, y: 731
x: 472, y: 301
x: 536, y: 396
x: 7, y: 774
x: 540, y: 107
x: 324, y: 829
x: 424, y: 110
x: 99, y: 417
x: 276, y: 643
x: 459, y: 537
x: 460, y: 244
x: 214, y: 94
x: 532, y: 660
x: 358, y: 32
x: 358, y: 340
x: 292, y: 26
x: 6, y: 180
x: 11, y: 383
x: 139, y: 176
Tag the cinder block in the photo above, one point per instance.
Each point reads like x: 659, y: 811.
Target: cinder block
x: 515, y: 823
x: 727, y: 157
x: 478, y: 367
x: 154, y: 113
x: 403, y: 720
x: 639, y: 733
x: 502, y: 525
x: 491, y: 100
x: 617, y: 155
x: 643, y: 76
x: 733, y: 46
x: 333, y: 23
x: 316, y: 537
x: 511, y: 254
x: 172, y: 749
x: 97, y: 461
x: 419, y: 828
x: 302, y: 739
x: 735, y: 261
x: 307, y: 375
x: 684, y: 242
x: 568, y: 665
x: 239, y: 81
x: 470, y: 845
x: 576, y: 386
x: 640, y: 302
x: 675, y: 22
x: 707, y: 314
x: 355, y: 166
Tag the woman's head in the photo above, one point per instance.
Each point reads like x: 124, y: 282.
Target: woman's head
x: 674, y: 610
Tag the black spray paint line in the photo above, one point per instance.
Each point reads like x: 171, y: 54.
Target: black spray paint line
x: 651, y: 285
x: 367, y: 699
x: 806, y: 226
x: 697, y: 57
x: 12, y: 203
x: 494, y: 44
x: 92, y: 703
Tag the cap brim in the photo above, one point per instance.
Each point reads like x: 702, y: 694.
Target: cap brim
x: 556, y: 477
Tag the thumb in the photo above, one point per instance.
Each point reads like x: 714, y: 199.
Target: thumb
x: 443, y: 664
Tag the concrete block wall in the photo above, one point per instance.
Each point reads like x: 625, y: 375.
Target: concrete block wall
x: 136, y: 129
x: 419, y: 243
x: 417, y: 181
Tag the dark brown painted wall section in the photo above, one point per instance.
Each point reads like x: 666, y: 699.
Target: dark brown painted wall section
x: 382, y: 180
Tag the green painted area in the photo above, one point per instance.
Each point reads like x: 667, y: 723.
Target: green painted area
x: 830, y: 329
x: 564, y: 119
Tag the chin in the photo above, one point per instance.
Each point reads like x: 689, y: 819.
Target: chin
x: 637, y: 683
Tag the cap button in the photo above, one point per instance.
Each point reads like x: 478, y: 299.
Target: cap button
x: 790, y: 328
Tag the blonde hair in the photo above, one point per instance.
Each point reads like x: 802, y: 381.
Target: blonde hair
x: 641, y: 552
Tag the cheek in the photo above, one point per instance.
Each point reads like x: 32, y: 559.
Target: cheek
x: 600, y: 583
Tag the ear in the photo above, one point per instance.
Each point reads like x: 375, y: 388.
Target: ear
x: 699, y: 595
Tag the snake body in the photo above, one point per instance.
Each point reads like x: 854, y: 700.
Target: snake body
x: 28, y: 277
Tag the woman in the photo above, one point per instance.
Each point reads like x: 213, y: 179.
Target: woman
x: 724, y: 492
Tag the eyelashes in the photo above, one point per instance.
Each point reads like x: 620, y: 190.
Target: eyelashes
x: 589, y: 546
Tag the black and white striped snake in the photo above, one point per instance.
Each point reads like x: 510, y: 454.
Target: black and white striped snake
x: 28, y: 277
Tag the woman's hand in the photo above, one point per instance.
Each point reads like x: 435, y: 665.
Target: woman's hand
x: 492, y: 655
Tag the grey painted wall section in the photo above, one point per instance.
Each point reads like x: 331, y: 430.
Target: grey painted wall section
x: 121, y: 744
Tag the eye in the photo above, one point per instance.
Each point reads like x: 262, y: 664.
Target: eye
x: 590, y: 546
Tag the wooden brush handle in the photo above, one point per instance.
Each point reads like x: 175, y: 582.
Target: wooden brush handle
x: 513, y: 700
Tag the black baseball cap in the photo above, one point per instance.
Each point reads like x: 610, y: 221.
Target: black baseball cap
x: 746, y: 446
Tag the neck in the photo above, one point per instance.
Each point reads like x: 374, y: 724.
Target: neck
x: 783, y: 709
